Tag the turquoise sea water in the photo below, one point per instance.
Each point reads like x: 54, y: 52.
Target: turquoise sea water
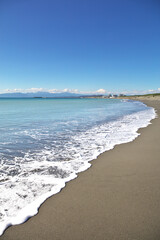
x: 46, y: 142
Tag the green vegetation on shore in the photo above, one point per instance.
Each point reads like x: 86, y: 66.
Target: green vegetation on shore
x: 146, y: 95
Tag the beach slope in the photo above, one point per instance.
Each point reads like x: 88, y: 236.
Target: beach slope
x: 118, y: 198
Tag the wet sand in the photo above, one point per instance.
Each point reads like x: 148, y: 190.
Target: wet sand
x: 118, y: 198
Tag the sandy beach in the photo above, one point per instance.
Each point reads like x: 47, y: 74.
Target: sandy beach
x: 118, y: 198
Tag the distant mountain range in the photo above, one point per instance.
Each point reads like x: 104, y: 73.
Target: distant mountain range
x: 40, y: 95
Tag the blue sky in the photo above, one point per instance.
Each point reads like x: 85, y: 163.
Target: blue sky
x: 80, y: 45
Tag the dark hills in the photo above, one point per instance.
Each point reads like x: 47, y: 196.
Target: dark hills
x: 40, y: 95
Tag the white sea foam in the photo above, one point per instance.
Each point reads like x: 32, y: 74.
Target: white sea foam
x: 39, y: 175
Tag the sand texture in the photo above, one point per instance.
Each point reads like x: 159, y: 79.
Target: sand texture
x: 118, y: 198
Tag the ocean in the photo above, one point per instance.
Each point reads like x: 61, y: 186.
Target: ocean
x: 44, y: 143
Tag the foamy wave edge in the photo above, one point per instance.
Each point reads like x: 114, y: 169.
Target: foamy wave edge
x: 32, y: 209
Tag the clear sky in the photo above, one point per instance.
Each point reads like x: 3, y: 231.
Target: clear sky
x: 80, y: 44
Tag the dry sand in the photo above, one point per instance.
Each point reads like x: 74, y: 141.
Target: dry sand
x: 118, y: 198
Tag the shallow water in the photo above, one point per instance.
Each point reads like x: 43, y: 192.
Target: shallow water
x: 46, y: 142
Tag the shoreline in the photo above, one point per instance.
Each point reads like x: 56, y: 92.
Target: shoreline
x: 100, y: 203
